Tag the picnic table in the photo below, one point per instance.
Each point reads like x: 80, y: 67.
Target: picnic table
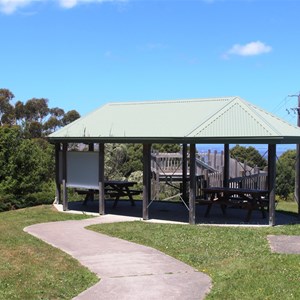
x: 114, y: 189
x: 249, y: 199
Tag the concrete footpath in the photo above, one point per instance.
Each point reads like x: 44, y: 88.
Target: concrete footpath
x: 127, y: 270
x: 287, y: 244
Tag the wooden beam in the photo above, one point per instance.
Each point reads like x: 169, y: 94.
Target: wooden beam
x: 226, y: 165
x: 91, y: 147
x: 57, y: 169
x: 101, y: 180
x: 271, y: 182
x: 192, y: 198
x: 146, y: 179
x: 184, y: 172
x: 64, y: 176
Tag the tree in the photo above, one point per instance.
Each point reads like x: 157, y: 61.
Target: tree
x: 124, y: 159
x: 54, y: 121
x: 10, y: 138
x: 26, y: 158
x: 70, y: 116
x: 19, y: 111
x: 25, y: 164
x: 115, y: 158
x: 249, y: 155
x: 134, y: 159
x: 6, y: 108
x: 36, y: 110
x: 38, y: 120
x: 169, y: 148
x: 285, y: 175
x: 33, y: 130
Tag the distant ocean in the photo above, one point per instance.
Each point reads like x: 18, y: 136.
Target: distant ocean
x: 262, y: 149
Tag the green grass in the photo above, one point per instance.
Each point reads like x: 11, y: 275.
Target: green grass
x: 238, y: 260
x: 287, y: 206
x: 32, y: 269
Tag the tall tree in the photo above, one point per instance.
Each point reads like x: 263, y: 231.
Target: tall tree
x: 6, y: 108
x: 249, y: 155
x: 54, y: 121
x: 36, y: 109
x: 70, y: 117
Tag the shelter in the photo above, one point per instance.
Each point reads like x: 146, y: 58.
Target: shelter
x: 228, y: 120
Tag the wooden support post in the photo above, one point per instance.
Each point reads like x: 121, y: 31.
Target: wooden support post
x: 91, y: 147
x: 57, y: 171
x: 297, y: 177
x: 184, y: 172
x: 101, y: 180
x: 146, y: 179
x: 271, y: 182
x: 64, y: 176
x: 226, y: 165
x: 92, y: 195
x: 192, y: 198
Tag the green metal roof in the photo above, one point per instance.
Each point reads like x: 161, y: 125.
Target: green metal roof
x: 213, y: 120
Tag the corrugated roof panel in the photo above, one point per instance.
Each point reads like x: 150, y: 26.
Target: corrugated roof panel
x: 235, y: 119
x: 144, y: 119
x: 278, y: 125
x: 216, y: 119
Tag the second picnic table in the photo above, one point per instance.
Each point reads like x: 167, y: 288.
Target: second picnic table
x: 249, y: 199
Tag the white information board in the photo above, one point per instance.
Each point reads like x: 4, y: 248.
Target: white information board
x: 82, y: 169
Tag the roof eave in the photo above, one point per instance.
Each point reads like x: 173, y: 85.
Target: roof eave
x: 179, y: 140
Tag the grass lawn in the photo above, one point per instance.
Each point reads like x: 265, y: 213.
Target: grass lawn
x: 287, y: 206
x: 238, y: 260
x: 31, y: 269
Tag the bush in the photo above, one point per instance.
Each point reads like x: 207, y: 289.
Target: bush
x: 25, y: 165
x: 285, y: 177
x: 11, y: 202
x: 7, y: 202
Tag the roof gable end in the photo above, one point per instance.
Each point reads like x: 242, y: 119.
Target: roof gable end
x: 237, y: 118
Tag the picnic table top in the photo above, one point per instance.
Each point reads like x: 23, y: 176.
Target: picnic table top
x: 234, y: 190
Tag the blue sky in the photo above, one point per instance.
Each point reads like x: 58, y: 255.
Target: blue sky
x: 81, y: 54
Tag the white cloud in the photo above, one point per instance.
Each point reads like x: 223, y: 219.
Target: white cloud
x: 68, y: 3
x: 250, y: 49
x: 73, y: 3
x: 10, y: 6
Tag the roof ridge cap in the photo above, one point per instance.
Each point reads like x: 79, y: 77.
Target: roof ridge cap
x: 146, y: 102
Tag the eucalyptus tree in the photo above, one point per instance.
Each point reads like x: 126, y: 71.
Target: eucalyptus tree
x: 6, y: 108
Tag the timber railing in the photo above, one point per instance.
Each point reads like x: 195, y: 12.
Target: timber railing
x: 257, y: 181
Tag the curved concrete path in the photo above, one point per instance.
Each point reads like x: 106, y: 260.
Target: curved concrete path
x: 127, y: 270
